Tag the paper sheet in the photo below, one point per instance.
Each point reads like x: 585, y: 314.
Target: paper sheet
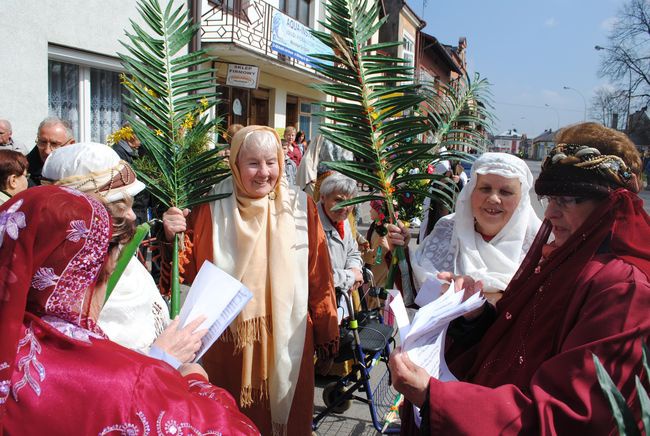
x: 430, y: 290
x: 424, y: 338
x: 219, y: 297
x: 398, y: 311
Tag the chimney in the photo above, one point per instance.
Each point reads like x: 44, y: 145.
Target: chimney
x: 614, y: 121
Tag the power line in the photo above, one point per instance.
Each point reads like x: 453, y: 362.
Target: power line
x: 537, y: 107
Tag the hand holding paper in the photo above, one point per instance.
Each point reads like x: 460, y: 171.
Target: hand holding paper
x: 217, y: 296
x: 424, y: 338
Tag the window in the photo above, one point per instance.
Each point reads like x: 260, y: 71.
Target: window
x: 408, y: 49
x: 298, y: 9
x: 85, y: 89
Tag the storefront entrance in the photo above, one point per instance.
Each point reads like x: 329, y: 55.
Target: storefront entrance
x: 244, y: 106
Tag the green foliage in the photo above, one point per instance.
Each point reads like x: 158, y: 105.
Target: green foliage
x: 169, y: 102
x: 380, y: 114
x: 169, y: 98
x: 625, y: 420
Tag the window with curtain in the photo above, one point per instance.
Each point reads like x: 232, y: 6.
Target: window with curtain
x: 89, y: 98
x: 106, y: 106
x: 63, y: 93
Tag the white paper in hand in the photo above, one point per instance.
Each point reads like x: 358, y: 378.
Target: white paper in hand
x: 425, y: 342
x: 429, y: 291
x: 216, y: 295
x: 399, y: 312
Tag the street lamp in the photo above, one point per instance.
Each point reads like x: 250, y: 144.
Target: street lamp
x: 629, y: 87
x: 557, y: 114
x: 584, y: 100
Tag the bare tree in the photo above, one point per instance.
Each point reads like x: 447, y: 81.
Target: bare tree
x: 609, y: 106
x: 627, y: 59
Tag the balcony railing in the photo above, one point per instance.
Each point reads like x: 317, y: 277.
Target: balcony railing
x: 244, y: 23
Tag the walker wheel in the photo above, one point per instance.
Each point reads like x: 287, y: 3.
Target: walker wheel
x: 331, y: 393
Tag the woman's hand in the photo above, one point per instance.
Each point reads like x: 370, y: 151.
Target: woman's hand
x: 398, y: 235
x: 358, y: 278
x: 181, y: 343
x: 174, y: 222
x: 408, y: 378
x: 192, y: 368
x: 383, y: 243
x: 468, y: 285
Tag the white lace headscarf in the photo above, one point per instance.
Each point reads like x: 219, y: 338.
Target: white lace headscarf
x: 454, y: 245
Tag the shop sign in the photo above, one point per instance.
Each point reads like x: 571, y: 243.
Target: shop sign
x: 242, y: 76
x: 292, y: 38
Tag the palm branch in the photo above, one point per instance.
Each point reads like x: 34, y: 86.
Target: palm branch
x: 379, y: 112
x: 625, y: 420
x: 169, y: 98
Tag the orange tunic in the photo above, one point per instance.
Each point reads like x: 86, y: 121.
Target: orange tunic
x: 224, y: 367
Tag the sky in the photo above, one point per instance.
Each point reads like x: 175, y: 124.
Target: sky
x: 528, y: 50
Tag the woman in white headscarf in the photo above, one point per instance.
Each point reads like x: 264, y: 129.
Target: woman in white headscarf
x: 490, y: 232
x: 136, y: 315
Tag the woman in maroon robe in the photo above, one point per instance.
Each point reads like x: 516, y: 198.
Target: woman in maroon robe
x: 526, y: 366
x: 58, y: 372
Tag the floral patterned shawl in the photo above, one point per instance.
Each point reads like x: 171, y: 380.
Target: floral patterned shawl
x: 53, y: 244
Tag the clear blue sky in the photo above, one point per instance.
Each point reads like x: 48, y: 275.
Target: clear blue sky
x: 528, y: 50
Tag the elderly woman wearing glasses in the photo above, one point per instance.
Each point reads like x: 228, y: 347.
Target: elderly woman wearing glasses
x: 526, y: 366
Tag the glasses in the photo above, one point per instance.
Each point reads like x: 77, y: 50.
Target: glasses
x: 43, y: 144
x: 562, y: 202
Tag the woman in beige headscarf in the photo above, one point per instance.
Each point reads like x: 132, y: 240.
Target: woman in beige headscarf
x: 269, y: 237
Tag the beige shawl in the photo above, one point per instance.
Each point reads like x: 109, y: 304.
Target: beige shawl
x: 260, y: 241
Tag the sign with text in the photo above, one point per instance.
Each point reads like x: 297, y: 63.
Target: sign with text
x: 292, y: 38
x: 242, y: 76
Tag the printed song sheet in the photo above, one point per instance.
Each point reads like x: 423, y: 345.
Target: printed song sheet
x: 219, y: 297
x: 430, y: 290
x: 424, y: 338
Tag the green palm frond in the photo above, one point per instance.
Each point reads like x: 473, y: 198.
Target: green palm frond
x: 625, y: 419
x: 370, y: 90
x: 169, y: 103
x: 382, y: 116
x: 460, y: 113
x: 169, y: 99
x: 379, y: 113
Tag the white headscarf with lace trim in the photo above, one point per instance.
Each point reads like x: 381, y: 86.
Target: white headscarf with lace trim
x: 454, y: 244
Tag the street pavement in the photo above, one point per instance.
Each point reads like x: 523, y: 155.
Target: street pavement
x: 356, y: 420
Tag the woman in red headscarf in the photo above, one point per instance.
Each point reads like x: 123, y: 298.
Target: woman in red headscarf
x: 58, y: 372
x: 526, y: 366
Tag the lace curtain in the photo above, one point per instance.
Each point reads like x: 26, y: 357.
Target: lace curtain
x: 106, y: 107
x: 63, y: 93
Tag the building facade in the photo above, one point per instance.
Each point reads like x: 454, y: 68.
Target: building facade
x: 507, y: 142
x: 542, y: 144
x: 67, y: 65
x: 263, y: 67
x: 61, y: 59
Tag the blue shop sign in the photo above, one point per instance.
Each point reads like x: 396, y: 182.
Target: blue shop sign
x: 292, y: 38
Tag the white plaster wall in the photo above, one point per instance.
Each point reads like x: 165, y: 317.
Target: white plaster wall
x: 28, y: 26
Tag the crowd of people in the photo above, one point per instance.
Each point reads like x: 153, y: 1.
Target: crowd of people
x: 556, y: 291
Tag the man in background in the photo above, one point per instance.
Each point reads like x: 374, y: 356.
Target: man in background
x: 7, y: 142
x: 53, y: 132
